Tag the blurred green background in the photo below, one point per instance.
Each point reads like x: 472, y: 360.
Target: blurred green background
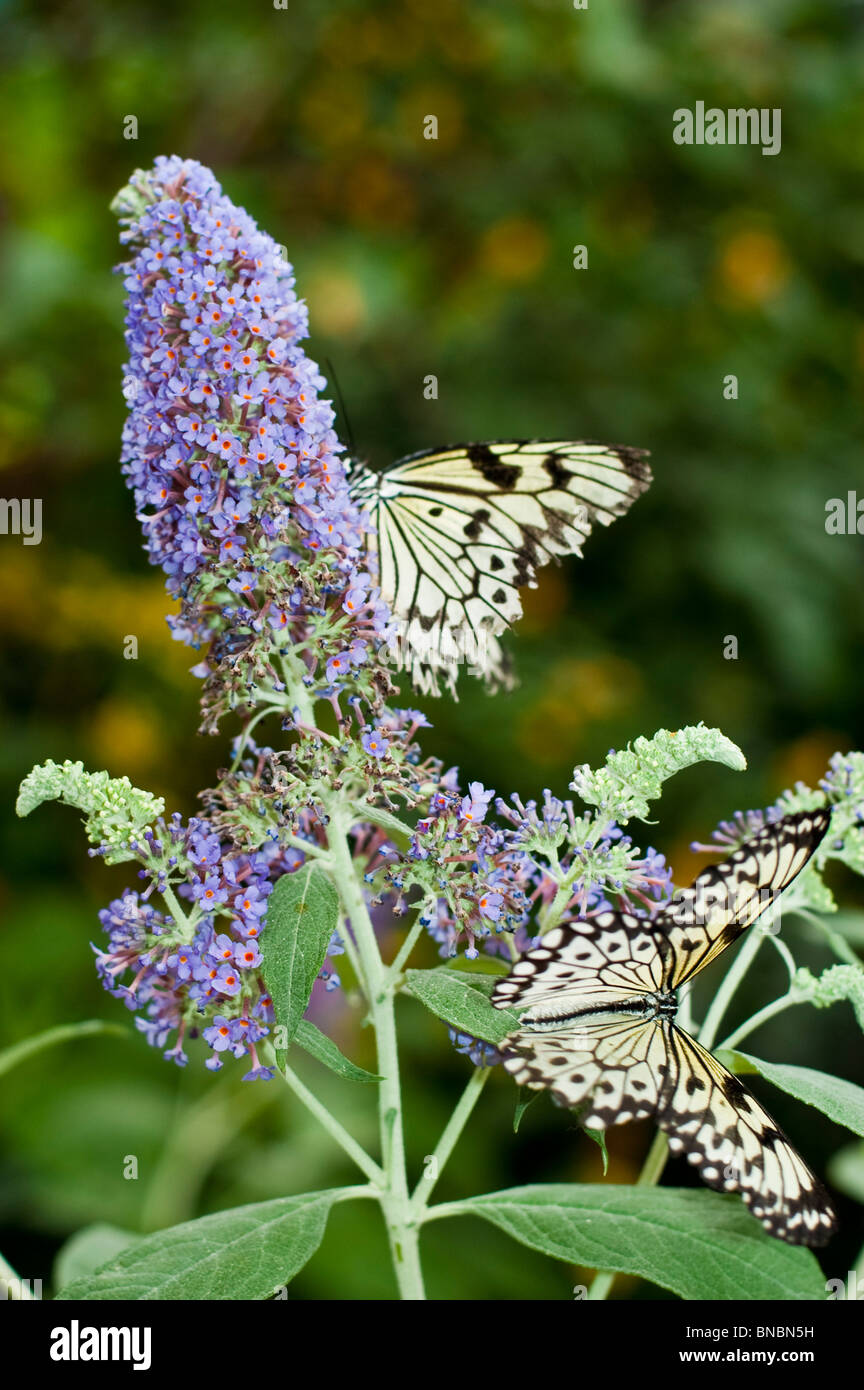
x: 451, y: 257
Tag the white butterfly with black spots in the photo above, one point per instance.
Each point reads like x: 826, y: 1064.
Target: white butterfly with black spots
x: 459, y: 531
x: 598, y: 1029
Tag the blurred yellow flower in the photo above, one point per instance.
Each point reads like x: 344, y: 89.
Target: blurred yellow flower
x: 334, y: 111
x: 753, y: 267
x: 576, y: 693
x: 806, y: 759
x: 336, y: 301
x: 431, y: 99
x: 543, y: 606
x: 376, y: 195
x: 514, y: 249
x: 125, y: 734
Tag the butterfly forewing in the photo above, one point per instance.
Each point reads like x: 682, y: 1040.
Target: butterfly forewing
x: 612, y: 959
x: 459, y: 531
x: 702, y: 920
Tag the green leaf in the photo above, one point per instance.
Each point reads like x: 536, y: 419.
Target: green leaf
x: 634, y: 776
x: 247, y: 1253
x: 324, y: 1049
x: 66, y: 1032
x: 378, y: 816
x: 699, y: 1244
x: 524, y: 1100
x: 599, y: 1137
x: 302, y: 915
x: 462, y: 1001
x: 840, y: 1100
x: 89, y: 1249
x: 846, y: 1170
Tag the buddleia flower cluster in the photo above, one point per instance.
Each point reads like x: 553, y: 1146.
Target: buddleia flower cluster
x: 230, y: 452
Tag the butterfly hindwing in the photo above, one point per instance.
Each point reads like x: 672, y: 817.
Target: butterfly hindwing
x: 612, y: 1068
x: 702, y: 920
x: 736, y: 1146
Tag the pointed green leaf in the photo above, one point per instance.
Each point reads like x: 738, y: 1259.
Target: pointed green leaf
x: 599, y: 1137
x: 462, y: 1001
x: 302, y: 915
x: 840, y: 1100
x: 246, y: 1253
x: 699, y: 1244
x: 525, y: 1099
x: 324, y: 1049
x: 89, y: 1249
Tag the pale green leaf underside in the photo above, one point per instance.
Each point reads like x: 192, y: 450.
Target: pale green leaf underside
x: 89, y: 1249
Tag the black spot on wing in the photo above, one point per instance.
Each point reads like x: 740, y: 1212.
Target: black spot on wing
x: 734, y: 1092
x: 553, y: 465
x: 492, y: 469
x: 473, y: 527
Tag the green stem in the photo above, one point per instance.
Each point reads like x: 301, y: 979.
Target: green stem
x: 337, y: 1131
x: 435, y: 1163
x: 244, y: 737
x: 181, y: 921
x: 751, y: 1024
x: 731, y: 980
x: 193, y: 1141
x: 838, y: 944
x: 66, y: 1032
x: 391, y: 1177
x: 655, y: 1161
x: 395, y: 969
x: 402, y: 1229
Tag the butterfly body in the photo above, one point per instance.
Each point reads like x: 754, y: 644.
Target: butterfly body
x: 599, y: 1030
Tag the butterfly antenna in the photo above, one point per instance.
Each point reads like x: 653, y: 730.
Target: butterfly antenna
x: 331, y: 373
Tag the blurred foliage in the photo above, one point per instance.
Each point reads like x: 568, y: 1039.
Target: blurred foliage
x: 451, y: 257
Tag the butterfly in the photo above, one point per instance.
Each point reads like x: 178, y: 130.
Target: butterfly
x: 598, y: 1029
x: 457, y: 532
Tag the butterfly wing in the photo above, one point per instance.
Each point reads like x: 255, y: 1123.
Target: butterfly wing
x: 597, y: 964
x: 736, y: 1146
x: 612, y: 1067
x: 615, y: 1069
x: 702, y: 920
x: 460, y: 531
